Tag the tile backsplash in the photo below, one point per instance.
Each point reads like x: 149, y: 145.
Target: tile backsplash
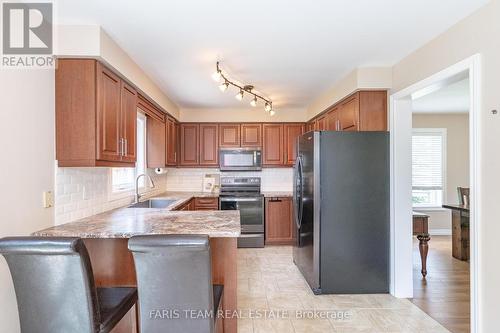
x: 82, y: 192
x: 272, y: 179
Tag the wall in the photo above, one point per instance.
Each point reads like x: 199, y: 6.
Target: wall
x: 92, y: 41
x: 475, y: 34
x: 272, y: 179
x: 27, y: 166
x: 82, y: 192
x: 457, y: 162
x: 360, y: 78
x: 249, y: 114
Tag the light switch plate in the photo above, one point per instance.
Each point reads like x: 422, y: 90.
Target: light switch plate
x: 48, y: 199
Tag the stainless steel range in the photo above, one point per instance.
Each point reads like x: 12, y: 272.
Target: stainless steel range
x: 243, y: 194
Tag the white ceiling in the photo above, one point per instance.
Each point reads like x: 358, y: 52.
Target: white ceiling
x: 453, y: 98
x: 291, y: 50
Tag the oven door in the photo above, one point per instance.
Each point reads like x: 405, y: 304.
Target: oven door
x: 240, y: 159
x: 251, y: 212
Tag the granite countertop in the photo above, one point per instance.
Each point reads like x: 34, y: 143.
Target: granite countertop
x: 127, y: 222
x: 269, y: 194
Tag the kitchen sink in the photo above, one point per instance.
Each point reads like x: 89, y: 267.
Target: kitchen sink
x: 153, y: 203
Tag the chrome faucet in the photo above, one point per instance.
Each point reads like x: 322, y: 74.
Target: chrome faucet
x: 137, y: 195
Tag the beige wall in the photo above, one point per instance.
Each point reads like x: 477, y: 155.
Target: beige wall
x: 242, y: 115
x: 92, y: 41
x: 479, y: 33
x: 360, y: 78
x: 457, y: 161
x: 27, y: 166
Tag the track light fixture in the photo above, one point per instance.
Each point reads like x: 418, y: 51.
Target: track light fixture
x: 218, y: 75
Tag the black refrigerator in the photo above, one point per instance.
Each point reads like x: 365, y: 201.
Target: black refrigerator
x: 341, y: 211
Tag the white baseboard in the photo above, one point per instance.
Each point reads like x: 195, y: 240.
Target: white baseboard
x: 440, y: 232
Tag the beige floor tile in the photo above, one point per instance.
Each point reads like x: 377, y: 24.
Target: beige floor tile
x: 245, y: 326
x: 272, y: 326
x: 312, y: 326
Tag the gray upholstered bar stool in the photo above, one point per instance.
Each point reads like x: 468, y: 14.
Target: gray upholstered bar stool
x: 174, y: 278
x: 55, y: 287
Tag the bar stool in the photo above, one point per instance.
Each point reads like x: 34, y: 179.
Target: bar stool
x: 174, y: 280
x: 55, y: 287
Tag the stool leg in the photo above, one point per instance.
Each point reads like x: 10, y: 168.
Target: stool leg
x: 423, y: 247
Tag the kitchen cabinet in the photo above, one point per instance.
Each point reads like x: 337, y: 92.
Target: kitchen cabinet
x: 187, y: 205
x: 348, y: 114
x: 332, y: 120
x: 95, y: 116
x: 189, y: 147
x: 229, y: 135
x: 171, y: 133
x: 320, y: 124
x: 291, y: 134
x: 280, y: 227
x: 272, y: 148
x: 209, y: 144
x: 251, y: 135
x: 361, y: 111
x: 204, y: 203
x: 155, y: 143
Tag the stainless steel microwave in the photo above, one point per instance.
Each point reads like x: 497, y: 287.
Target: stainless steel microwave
x: 240, y: 159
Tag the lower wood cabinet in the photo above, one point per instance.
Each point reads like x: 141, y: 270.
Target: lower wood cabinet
x: 204, y: 203
x: 279, y: 224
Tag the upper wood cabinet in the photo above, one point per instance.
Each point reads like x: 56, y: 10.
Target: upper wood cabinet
x: 272, y: 148
x: 229, y: 135
x: 95, y: 116
x: 332, y: 120
x: 251, y: 135
x: 361, y: 111
x: 155, y: 143
x: 189, y: 145
x: 291, y: 134
x: 171, y: 133
x: 209, y: 144
x: 280, y: 227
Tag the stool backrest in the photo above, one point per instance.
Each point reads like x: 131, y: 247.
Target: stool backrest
x: 54, y: 284
x: 463, y: 195
x: 174, y: 283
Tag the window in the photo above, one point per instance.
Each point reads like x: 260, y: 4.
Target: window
x: 428, y: 167
x: 122, y: 179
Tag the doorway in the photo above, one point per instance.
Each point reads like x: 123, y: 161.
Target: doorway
x: 401, y: 111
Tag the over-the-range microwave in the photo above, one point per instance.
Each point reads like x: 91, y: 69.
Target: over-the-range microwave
x: 240, y: 159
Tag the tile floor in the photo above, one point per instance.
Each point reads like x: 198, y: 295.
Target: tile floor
x: 273, y: 297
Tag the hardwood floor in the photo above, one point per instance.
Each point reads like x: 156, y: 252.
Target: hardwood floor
x: 445, y: 293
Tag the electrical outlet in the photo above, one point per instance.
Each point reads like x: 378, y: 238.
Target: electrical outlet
x: 48, y: 199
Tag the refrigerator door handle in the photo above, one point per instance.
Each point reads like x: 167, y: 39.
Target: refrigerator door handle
x: 299, y: 192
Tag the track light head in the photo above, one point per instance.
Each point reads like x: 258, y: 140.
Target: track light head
x: 217, y: 75
x: 239, y: 96
x: 272, y: 113
x: 223, y: 87
x: 268, y: 107
x: 253, y: 102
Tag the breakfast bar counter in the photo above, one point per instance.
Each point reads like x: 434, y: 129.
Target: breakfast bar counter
x: 106, y: 238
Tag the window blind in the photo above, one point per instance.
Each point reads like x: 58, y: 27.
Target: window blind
x: 427, y: 161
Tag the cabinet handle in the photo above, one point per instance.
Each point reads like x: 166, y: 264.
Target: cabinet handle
x: 125, y: 144
x: 175, y: 156
x: 120, y: 150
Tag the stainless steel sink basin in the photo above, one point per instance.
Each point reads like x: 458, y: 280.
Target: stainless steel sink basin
x: 153, y: 203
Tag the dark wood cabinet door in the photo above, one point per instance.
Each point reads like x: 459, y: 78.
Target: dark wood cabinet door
x: 155, y: 143
x: 171, y: 142
x: 229, y: 135
x: 129, y: 122
x: 348, y: 114
x: 272, y: 148
x: 209, y: 144
x: 332, y: 118
x: 189, y: 145
x: 251, y: 135
x: 292, y: 132
x: 280, y: 228
x: 320, y: 124
x: 109, y: 141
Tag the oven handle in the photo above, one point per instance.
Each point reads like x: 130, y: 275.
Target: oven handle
x: 241, y: 199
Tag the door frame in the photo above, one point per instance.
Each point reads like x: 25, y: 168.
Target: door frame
x: 401, y: 256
